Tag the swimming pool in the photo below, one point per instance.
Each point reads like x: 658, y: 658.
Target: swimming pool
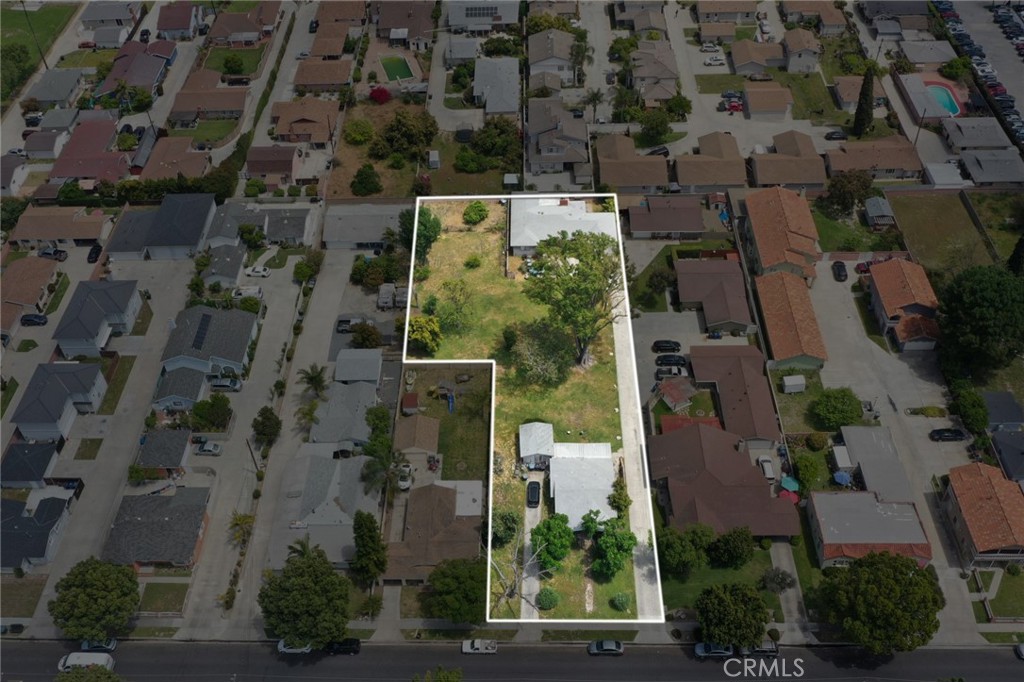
x: 945, y: 97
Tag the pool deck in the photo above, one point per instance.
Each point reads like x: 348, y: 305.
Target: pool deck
x: 959, y: 92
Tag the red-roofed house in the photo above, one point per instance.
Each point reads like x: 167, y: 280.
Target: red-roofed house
x: 178, y: 21
x: 780, y: 234
x: 904, y: 304
x: 86, y: 156
x: 139, y: 65
x: 790, y: 324
x: 986, y: 512
x: 705, y: 475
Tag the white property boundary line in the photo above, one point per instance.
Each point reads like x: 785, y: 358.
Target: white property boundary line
x: 642, y: 444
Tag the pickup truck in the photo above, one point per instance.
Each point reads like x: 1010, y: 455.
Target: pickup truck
x: 479, y: 646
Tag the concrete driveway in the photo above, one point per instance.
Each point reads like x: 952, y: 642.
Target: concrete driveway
x: 594, y: 18
x: 910, y: 380
x: 448, y: 120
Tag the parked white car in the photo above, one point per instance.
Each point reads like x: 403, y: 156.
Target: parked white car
x: 715, y: 60
x: 258, y: 271
x: 710, y: 47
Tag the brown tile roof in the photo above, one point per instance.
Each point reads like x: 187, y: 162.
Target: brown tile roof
x: 783, y: 228
x: 795, y: 143
x: 717, y: 29
x: 86, y: 154
x: 894, y: 151
x: 789, y: 320
x: 711, y: 480
x: 797, y: 39
x: 59, y: 222
x: 328, y: 44
x: 721, y: 6
x: 795, y: 162
x: 221, y: 99
x: 912, y: 327
x: 992, y: 506
x: 418, y: 431
x: 173, y: 155
x: 667, y: 213
x: 742, y: 388
x: 717, y: 285
x: 829, y: 13
x: 175, y: 16
x: 24, y: 280
x: 349, y: 11
x: 848, y: 87
x: 747, y: 51
x: 900, y: 283
x: 719, y: 163
x: 203, y: 79
x: 309, y: 115
x: 273, y: 159
x: 621, y: 166
x: 432, y: 533
x: 415, y: 15
x: 326, y: 72
x: 767, y: 97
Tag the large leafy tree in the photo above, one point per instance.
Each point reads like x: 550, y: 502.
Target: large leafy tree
x: 733, y: 613
x: 654, y: 126
x: 541, y: 353
x: 678, y: 554
x: 847, y: 189
x: 427, y: 232
x: 982, y: 318
x: 425, y: 334
x: 458, y: 590
x: 266, y: 426
x: 371, y: 559
x: 612, y: 550
x: 883, y: 602
x: 732, y: 549
x: 307, y: 603
x: 581, y: 282
x: 552, y: 539
x: 95, y: 600
x: 835, y: 408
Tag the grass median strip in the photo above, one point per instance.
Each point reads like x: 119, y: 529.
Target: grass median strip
x: 58, y: 294
x: 163, y: 597
x: 116, y: 384
x: 89, y: 448
x: 10, y: 388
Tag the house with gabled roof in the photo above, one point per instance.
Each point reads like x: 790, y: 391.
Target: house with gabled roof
x: 626, y: 171
x: 985, y: 512
x: 237, y: 28
x: 13, y: 173
x: 802, y: 50
x: 24, y: 284
x: 551, y: 52
x: 887, y: 158
x: 996, y: 168
x: 779, y: 233
x: 203, y: 97
x: 41, y: 226
x: 718, y: 290
x: 174, y: 155
x: 342, y: 417
x: 161, y: 530
x: 179, y: 389
x: 481, y: 17
x: 846, y: 90
x: 496, y: 86
x: 29, y: 465
x: 640, y: 16
x: 667, y: 216
x: 982, y: 132
x: 716, y: 166
x: 97, y: 310
x: 174, y: 231
x: 89, y: 155
x: 417, y: 435
x: 105, y: 13
x: 743, y: 397
x: 308, y: 119
x: 557, y: 141
x: 406, y: 23
x: 322, y: 75
x: 749, y: 57
x: 358, y: 365
x: 829, y: 20
x: 178, y: 20
x: 734, y: 11
x: 655, y: 72
x: 30, y: 531
x: 531, y: 221
x: 790, y: 325
x: 767, y: 101
x: 904, y: 304
x: 57, y: 88
x: 165, y: 450
x: 214, y: 341
x: 54, y: 396
x: 794, y: 163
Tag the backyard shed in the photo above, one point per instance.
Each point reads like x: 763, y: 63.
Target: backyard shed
x: 433, y: 159
x: 796, y: 383
x: 536, y: 444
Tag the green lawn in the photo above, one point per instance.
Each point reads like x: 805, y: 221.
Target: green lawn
x: 980, y: 615
x: 587, y: 635
x: 116, y: 384
x: 832, y: 51
x: 870, y: 322
x: 240, y: 6
x: 1000, y: 213
x: 163, y: 597
x: 280, y: 257
x: 713, y: 83
x: 465, y: 434
x: 795, y: 408
x: 58, y: 295
x: 251, y: 57
x: 456, y: 634
x: 986, y: 582
x: 1008, y: 379
x: 10, y: 388
x: 143, y: 319
x: 570, y: 582
x: 807, y: 570
x: 153, y: 633
x: 85, y: 58
x: 410, y: 604
x: 641, y: 141
x: 683, y: 595
x: 939, y: 232
x: 1004, y: 637
x: 811, y: 99
x: 25, y: 345
x: 746, y: 32
x: 89, y: 448
x: 1009, y: 602
x: 458, y: 103
x: 46, y: 24
x: 211, y: 131
x: 396, y: 67
x: 446, y: 181
x: 19, y: 596
x: 641, y: 297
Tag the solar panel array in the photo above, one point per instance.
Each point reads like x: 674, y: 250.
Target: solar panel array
x: 201, y: 330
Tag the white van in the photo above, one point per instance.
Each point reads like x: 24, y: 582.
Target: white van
x: 767, y: 468
x: 85, y: 660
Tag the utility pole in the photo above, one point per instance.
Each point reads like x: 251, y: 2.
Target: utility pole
x: 31, y: 30
x: 920, y: 124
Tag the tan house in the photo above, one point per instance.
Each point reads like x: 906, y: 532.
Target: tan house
x: 41, y: 226
x: 721, y: 32
x: 417, y: 435
x: 326, y: 75
x: 829, y: 19
x: 795, y: 163
x: 779, y: 233
x: 789, y: 322
x: 802, y: 50
x: 557, y: 142
x: 717, y: 165
x: 405, y: 23
x: 308, y: 119
x: 275, y: 165
x: 986, y: 512
x: 718, y: 289
x: 888, y: 158
x: 749, y: 57
x: 846, y: 90
x: 655, y: 72
x: 743, y: 397
x: 348, y: 13
x: 904, y: 304
x: 620, y: 167
x: 173, y: 155
x: 204, y: 97
x: 24, y: 284
x: 551, y: 52
x: 328, y: 44
x: 733, y: 11
x: 767, y: 101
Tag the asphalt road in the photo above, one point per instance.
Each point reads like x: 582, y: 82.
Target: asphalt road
x: 155, y: 662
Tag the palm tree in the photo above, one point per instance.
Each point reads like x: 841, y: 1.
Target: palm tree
x: 381, y: 470
x: 580, y: 54
x: 315, y: 379
x: 592, y: 99
x: 306, y: 414
x: 301, y: 549
x: 241, y: 528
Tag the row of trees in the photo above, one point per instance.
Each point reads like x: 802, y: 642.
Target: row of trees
x: 681, y: 553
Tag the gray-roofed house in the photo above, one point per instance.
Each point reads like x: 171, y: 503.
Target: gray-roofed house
x: 322, y: 495
x: 417, y: 435
x: 145, y: 149
x: 360, y: 226
x: 97, y: 310
x: 174, y: 231
x: 1004, y: 412
x: 481, y: 16
x: 110, y: 37
x: 923, y: 106
x: 496, y: 85
x: 225, y: 266
x: 46, y: 146
x: 872, y: 451
x: 28, y: 465
x: 288, y: 226
x: 557, y: 141
x: 99, y: 14
x: 30, y: 537
x: 59, y: 120
x: 343, y: 416
x: 534, y: 220
x: 879, y: 213
x: 57, y: 88
x: 962, y: 134
x: 928, y: 55
x: 536, y: 444
x: 802, y: 50
x: 358, y: 365
x: 581, y: 477
x: 179, y: 389
x: 165, y: 449
x: 230, y: 216
x: 160, y: 530
x: 849, y: 525
x: 212, y: 341
x: 55, y: 394
x: 551, y: 52
x: 1009, y: 446
x: 128, y: 241
x: 13, y: 173
x: 461, y: 50
x: 1001, y: 168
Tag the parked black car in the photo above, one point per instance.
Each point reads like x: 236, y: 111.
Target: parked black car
x: 670, y: 361
x: 34, y: 320
x: 836, y: 135
x: 839, y: 271
x: 666, y: 346
x: 346, y: 647
x: 94, y: 253
x: 533, y: 494
x: 947, y: 435
x: 144, y: 35
x: 313, y: 26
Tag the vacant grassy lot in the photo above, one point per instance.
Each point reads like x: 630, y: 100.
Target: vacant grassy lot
x: 1009, y: 602
x: 19, y: 596
x: 251, y: 57
x: 716, y: 83
x: 850, y: 235
x: 163, y: 597
x: 833, y: 50
x: 795, y: 408
x: 46, y: 23
x: 211, y: 132
x: 396, y: 182
x: 89, y: 448
x: 116, y: 384
x: 58, y: 295
x: 572, y: 582
x: 447, y: 181
x: 84, y: 58
x: 683, y: 595
x: 465, y: 434
x: 10, y: 388
x: 1001, y: 214
x: 938, y: 231
x: 811, y: 99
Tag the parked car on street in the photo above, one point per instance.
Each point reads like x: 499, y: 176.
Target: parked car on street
x: 99, y: 645
x: 947, y: 435
x: 705, y: 650
x: 346, y: 647
x: 283, y: 648
x: 605, y: 647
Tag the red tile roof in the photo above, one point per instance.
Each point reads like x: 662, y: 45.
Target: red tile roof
x: 992, y: 506
x: 86, y: 156
x: 900, y: 283
x: 175, y: 16
x: 789, y: 319
x: 783, y: 229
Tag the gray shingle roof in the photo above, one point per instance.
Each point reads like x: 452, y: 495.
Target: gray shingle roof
x: 26, y: 537
x: 496, y: 80
x: 229, y: 216
x: 50, y: 388
x: 56, y: 85
x: 225, y: 261
x: 8, y: 164
x: 358, y: 364
x: 1010, y: 446
x: 164, y: 449
x: 343, y: 416
x: 151, y: 529
x: 180, y: 220
x: 58, y: 119
x: 92, y: 303
x: 226, y: 334
x: 872, y: 449
x: 975, y: 132
x: 536, y: 438
x: 287, y: 225
x: 132, y: 232
x: 108, y: 11
x: 1003, y: 408
x: 994, y: 165
x: 145, y: 148
x: 27, y: 461
x: 181, y: 383
x: 877, y: 207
